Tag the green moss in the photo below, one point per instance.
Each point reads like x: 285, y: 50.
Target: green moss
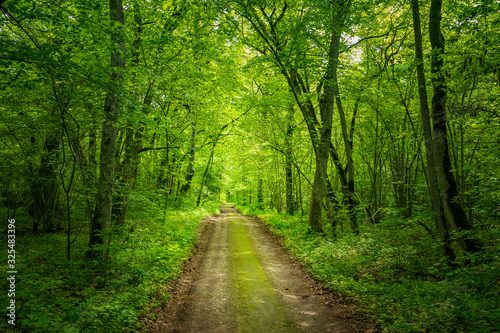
x: 257, y: 305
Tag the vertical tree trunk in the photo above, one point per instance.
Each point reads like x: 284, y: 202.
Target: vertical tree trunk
x: 260, y: 195
x: 454, y: 212
x: 348, y: 137
x: 319, y: 133
x: 92, y: 144
x: 161, y: 181
x: 205, y: 175
x: 133, y: 139
x: 123, y: 178
x: 326, y: 103
x: 190, y: 167
x: 102, y: 216
x: 429, y: 142
x: 288, y: 163
x: 45, y: 188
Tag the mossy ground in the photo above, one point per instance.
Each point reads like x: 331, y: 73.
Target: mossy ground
x: 258, y: 306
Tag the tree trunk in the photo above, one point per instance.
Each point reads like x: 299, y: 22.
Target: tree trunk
x: 205, y: 175
x: 319, y: 133
x: 133, y: 139
x: 348, y: 137
x: 288, y: 163
x: 326, y: 103
x: 102, y: 217
x: 45, y: 188
x: 260, y: 195
x: 429, y: 142
x: 190, y: 167
x: 454, y: 212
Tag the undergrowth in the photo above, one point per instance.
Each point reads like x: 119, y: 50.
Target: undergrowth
x: 396, y: 274
x: 57, y: 295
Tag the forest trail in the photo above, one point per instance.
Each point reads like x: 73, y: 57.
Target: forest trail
x: 241, y: 280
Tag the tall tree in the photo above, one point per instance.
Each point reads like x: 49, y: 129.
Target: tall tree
x: 454, y: 211
x: 327, y: 98
x: 290, y: 205
x: 434, y: 189
x: 192, y: 153
x: 101, y: 222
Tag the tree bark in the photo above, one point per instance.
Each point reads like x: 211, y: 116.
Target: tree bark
x: 454, y: 212
x: 101, y: 222
x: 434, y: 189
x: 326, y: 104
x: 205, y: 174
x: 348, y: 137
x: 288, y: 163
x: 45, y: 188
x: 190, y: 167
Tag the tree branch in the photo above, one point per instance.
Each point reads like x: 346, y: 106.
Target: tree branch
x: 152, y: 148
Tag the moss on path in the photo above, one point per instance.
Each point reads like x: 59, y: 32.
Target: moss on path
x: 257, y: 304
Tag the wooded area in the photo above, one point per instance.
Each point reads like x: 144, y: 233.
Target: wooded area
x: 367, y: 129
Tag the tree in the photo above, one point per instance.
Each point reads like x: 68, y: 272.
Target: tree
x: 266, y: 22
x: 434, y: 188
x: 101, y: 222
x: 454, y: 211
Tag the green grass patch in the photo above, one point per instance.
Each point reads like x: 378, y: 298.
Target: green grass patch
x: 395, y: 272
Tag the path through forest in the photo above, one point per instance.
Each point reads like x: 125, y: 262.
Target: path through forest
x: 241, y: 280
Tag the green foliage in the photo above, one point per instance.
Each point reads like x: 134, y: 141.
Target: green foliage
x: 203, y: 64
x: 397, y: 275
x: 57, y: 295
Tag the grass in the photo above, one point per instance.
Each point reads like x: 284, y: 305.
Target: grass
x: 57, y: 295
x: 395, y: 272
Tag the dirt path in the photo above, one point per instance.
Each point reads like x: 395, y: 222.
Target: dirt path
x: 241, y: 280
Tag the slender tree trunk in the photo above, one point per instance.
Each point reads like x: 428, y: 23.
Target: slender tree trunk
x: 454, y: 212
x: 348, y: 137
x: 288, y: 163
x: 205, y: 175
x: 92, y: 144
x: 326, y: 103
x: 162, y: 178
x: 301, y: 206
x: 123, y: 175
x: 101, y: 222
x: 331, y: 202
x: 429, y: 141
x: 133, y: 139
x: 260, y: 195
x: 190, y: 167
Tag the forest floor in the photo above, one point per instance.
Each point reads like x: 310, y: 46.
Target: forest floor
x: 241, y: 280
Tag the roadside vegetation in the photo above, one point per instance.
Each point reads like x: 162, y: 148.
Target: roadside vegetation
x: 396, y: 274
x: 57, y: 295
